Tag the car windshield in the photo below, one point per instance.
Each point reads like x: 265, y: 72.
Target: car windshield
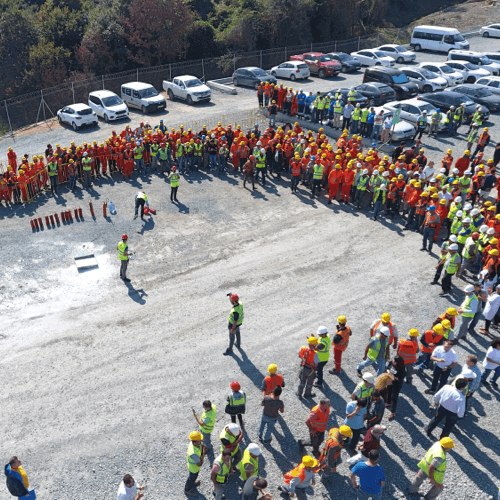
x: 465, y: 100
x: 385, y: 88
x: 378, y: 53
x: 302, y: 66
x: 447, y: 69
x: 400, y: 48
x: 259, y: 72
x: 193, y: 83
x: 470, y: 66
x: 458, y: 38
x: 324, y: 58
x: 402, y: 78
x: 150, y: 92
x: 428, y: 74
x: 482, y: 92
x: 112, y: 100
x: 86, y: 111
x: 485, y: 60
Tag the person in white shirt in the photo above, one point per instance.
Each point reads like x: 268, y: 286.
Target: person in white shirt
x: 450, y: 401
x: 428, y: 171
x: 491, y: 363
x: 128, y: 489
x: 445, y: 358
x: 491, y: 308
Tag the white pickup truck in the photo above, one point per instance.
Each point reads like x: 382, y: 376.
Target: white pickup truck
x: 187, y: 87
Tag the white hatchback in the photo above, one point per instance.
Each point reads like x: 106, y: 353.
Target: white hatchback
x: 77, y: 115
x: 398, y: 52
x: 107, y: 105
x: 373, y: 58
x: 492, y: 82
x: 293, y: 70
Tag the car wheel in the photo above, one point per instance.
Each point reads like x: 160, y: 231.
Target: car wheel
x: 321, y: 73
x: 273, y: 73
x: 417, y: 48
x: 400, y: 60
x: 143, y: 110
x: 427, y: 88
x: 74, y: 126
x: 59, y: 119
x: 170, y: 94
x: 106, y: 118
x: 486, y: 34
x: 189, y: 100
x: 292, y: 77
x: 235, y: 82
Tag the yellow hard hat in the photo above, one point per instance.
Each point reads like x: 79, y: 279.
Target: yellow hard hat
x: 345, y: 430
x: 466, y: 152
x: 438, y: 329
x: 385, y: 317
x: 195, y: 436
x: 446, y: 323
x: 413, y: 332
x: 272, y: 368
x: 341, y: 319
x: 312, y: 340
x: 442, y: 202
x: 494, y: 241
x: 308, y: 461
x: 451, y: 311
x: 490, y: 209
x: 493, y: 251
x: 449, y: 151
x: 447, y: 442
x: 434, y: 196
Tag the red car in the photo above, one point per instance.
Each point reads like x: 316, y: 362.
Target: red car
x: 319, y: 64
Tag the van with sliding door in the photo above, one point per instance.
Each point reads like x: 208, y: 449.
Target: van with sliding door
x: 437, y: 38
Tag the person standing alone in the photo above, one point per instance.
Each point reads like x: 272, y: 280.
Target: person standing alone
x: 123, y: 257
x: 235, y: 320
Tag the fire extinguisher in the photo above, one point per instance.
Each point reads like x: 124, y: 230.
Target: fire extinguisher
x: 40, y: 223
x: 52, y: 221
x: 58, y: 222
x: 69, y: 217
x: 80, y: 213
x: 47, y: 223
x: 92, y: 213
x: 35, y: 222
x: 76, y: 214
x: 32, y: 225
x: 104, y: 209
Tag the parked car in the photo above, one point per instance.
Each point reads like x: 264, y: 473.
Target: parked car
x: 400, y: 131
x: 470, y: 71
x: 437, y: 38
x: 426, y: 80
x: 411, y: 109
x: 480, y: 94
x: 393, y: 77
x: 251, y: 76
x: 188, y: 88
x: 293, y: 70
x: 349, y: 63
x: 447, y: 98
x: 452, y: 76
x: 492, y: 30
x: 400, y: 53
x: 377, y: 93
x: 492, y: 82
x: 477, y: 58
x: 107, y: 105
x: 493, y: 56
x: 319, y: 64
x: 373, y: 58
x: 357, y: 97
x: 77, y: 116
x: 142, y: 96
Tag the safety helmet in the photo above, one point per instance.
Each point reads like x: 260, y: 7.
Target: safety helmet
x: 308, y: 461
x: 385, y: 317
x: 345, y: 431
x: 341, y: 319
x: 468, y: 288
x: 322, y: 330
x: 438, y: 329
x: 312, y: 340
x: 447, y: 443
x: 493, y: 251
x: 369, y: 378
x: 252, y: 157
x: 195, y: 436
x: 384, y: 331
x: 413, y: 332
x: 234, y: 429
x: 493, y: 241
x: 272, y: 368
x: 475, y: 236
x: 234, y: 297
x: 453, y: 248
x: 451, y: 311
x: 254, y: 449
x: 124, y: 236
x: 490, y: 231
x: 446, y: 323
x: 235, y: 386
x: 174, y: 168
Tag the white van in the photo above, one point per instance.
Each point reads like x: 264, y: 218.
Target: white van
x: 107, y: 105
x: 142, y: 96
x: 437, y: 38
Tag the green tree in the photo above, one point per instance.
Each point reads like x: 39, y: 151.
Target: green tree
x: 47, y: 65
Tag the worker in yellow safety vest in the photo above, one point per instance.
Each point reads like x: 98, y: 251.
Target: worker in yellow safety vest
x: 195, y: 455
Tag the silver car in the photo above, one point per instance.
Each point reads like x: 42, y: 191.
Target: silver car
x: 411, y: 109
x: 293, y: 70
x: 470, y: 71
x: 398, y: 52
x: 426, y: 80
x: 401, y: 130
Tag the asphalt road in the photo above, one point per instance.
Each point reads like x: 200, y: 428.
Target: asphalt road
x: 99, y: 378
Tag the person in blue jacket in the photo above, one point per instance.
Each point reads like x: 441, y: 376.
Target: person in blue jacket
x: 301, y: 102
x: 17, y: 480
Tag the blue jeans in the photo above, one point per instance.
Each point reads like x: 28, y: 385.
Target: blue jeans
x: 428, y: 238
x: 379, y: 364
x: 362, y: 495
x: 268, y: 422
x: 139, y: 164
x: 487, y: 372
x: 212, y: 161
x: 377, y: 208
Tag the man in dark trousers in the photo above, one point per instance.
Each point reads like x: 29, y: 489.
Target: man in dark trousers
x: 17, y: 480
x: 141, y: 200
x: 235, y: 320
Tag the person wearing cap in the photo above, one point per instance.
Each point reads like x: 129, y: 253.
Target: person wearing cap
x: 230, y: 438
x: 385, y: 321
x: 123, y: 257
x: 433, y: 467
x: 491, y: 309
x: 272, y: 407
x: 235, y: 320
x: 408, y: 350
x: 174, y: 179
x: 421, y: 125
x: 236, y: 403
x: 249, y: 464
x: 467, y: 310
x: 323, y: 351
x: 317, y: 422
x: 308, y: 363
x: 371, y: 477
x: 445, y: 359
x: 375, y: 351
x: 340, y: 343
x: 272, y: 380
x: 195, y: 456
x: 206, y: 422
x: 221, y: 469
x: 361, y: 189
x: 330, y: 457
x: 471, y: 372
x: 442, y: 258
x: 371, y: 441
x: 450, y: 268
x: 428, y: 228
x: 301, y: 477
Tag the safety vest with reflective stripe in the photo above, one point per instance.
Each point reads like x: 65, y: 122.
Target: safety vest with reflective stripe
x: 238, y: 308
x: 334, y: 440
x: 208, y: 416
x: 248, y: 459
x: 193, y: 450
x: 324, y: 348
x: 273, y: 381
x: 307, y: 355
x: 374, y: 350
x: 362, y: 183
x: 87, y: 164
x: 233, y: 448
x: 408, y: 350
x: 238, y: 403
x: 52, y: 166
x: 467, y: 305
x: 452, y: 263
x: 224, y: 470
x: 318, y: 172
x: 363, y: 392
x: 321, y: 421
x: 390, y: 326
x: 122, y: 248
x: 435, y: 451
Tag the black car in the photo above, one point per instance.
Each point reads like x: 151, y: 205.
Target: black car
x: 349, y: 63
x: 480, y: 94
x: 251, y: 76
x: 404, y: 88
x: 447, y: 98
x: 377, y: 93
x: 356, y: 98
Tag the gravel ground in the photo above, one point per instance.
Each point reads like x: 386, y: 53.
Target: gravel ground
x: 105, y: 375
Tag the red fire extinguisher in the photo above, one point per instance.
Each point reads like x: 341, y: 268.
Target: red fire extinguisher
x: 35, y: 222
x: 32, y: 225
x: 76, y: 214
x: 80, y: 213
x: 52, y: 221
x: 104, y: 209
x: 47, y: 223
x: 92, y: 213
x: 58, y: 222
x: 69, y: 217
x: 40, y: 223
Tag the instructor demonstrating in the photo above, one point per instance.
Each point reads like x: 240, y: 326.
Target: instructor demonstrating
x: 235, y: 320
x: 123, y: 257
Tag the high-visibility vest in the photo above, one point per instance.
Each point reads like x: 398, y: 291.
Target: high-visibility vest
x: 238, y: 308
x: 356, y: 114
x: 430, y: 337
x: 52, y: 166
x: 174, y: 179
x: 237, y: 403
x: 324, y: 348
x: 421, y: 121
x: 391, y: 330
x: 138, y: 153
x: 307, y: 355
x: 452, y: 263
x: 374, y: 350
x: 193, y: 450
x: 224, y: 470
x: 209, y: 417
x: 334, y: 440
x: 338, y: 107
x: 362, y: 183
x: 408, y: 350
x: 198, y: 147
x: 318, y: 172
x: 232, y: 447
x: 467, y: 304
x: 87, y: 164
x: 179, y: 150
x: 248, y: 459
x: 154, y: 150
x: 435, y: 451
x: 363, y: 392
x: 260, y: 160
x: 321, y: 421
x: 299, y: 471
x: 273, y: 381
x: 122, y: 248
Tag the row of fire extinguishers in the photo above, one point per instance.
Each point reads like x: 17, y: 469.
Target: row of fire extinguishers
x: 66, y: 217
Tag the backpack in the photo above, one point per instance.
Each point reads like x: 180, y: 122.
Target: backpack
x: 16, y: 488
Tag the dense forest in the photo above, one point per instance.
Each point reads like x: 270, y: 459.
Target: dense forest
x: 43, y: 43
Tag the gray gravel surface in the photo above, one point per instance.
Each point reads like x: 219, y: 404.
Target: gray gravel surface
x: 99, y: 378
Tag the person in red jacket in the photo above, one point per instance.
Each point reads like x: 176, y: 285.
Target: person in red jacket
x: 462, y: 164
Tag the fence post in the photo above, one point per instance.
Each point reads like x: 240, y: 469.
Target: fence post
x: 8, y: 118
x: 73, y: 91
x: 170, y: 71
x: 234, y: 62
x: 137, y: 73
x: 311, y: 46
x: 335, y: 49
x: 203, y: 68
x: 102, y: 77
x: 359, y: 42
x: 378, y: 38
x: 286, y: 56
x: 260, y: 59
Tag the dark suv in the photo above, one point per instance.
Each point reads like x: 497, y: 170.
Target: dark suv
x: 405, y: 89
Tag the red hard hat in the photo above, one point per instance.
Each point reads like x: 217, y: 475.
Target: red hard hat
x: 124, y: 237
x: 235, y: 386
x: 174, y: 168
x: 234, y: 297
x: 252, y: 157
x: 475, y: 236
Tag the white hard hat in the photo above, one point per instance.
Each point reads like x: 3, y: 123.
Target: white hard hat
x: 254, y: 449
x: 453, y: 247
x: 466, y: 220
x: 468, y: 289
x: 442, y: 171
x: 383, y: 187
x: 474, y: 211
x: 455, y: 171
x: 467, y: 206
x: 365, y: 171
x: 459, y: 213
x: 467, y: 373
x: 368, y: 377
x: 322, y: 330
x: 384, y: 331
x: 468, y: 172
x: 432, y: 179
x: 458, y: 199
x: 259, y: 143
x: 233, y: 429
x: 385, y: 174
x: 483, y: 228
x: 453, y: 238
x: 491, y: 231
x: 262, y: 150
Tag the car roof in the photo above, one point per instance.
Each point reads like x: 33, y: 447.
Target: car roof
x: 376, y: 84
x: 314, y: 53
x: 187, y: 77
x: 413, y: 101
x: 390, y: 71
x: 491, y: 78
x: 461, y: 61
x: 388, y: 45
x: 77, y: 106
x: 466, y: 52
x: 467, y: 85
x: 137, y: 85
x: 102, y: 93
x: 250, y: 68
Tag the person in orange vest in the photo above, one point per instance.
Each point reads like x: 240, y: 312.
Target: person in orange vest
x: 428, y: 342
x: 340, y: 343
x: 301, y: 477
x: 317, y: 423
x: 272, y: 380
x: 330, y: 457
x: 408, y: 349
x: 482, y: 141
x: 450, y: 314
x: 334, y: 181
x: 347, y: 183
x: 12, y: 159
x: 308, y: 363
x: 428, y: 227
x: 385, y: 320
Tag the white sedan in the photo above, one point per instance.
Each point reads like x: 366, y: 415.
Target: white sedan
x: 470, y: 71
x: 492, y: 30
x: 492, y: 82
x: 398, y: 52
x: 452, y: 76
x: 373, y: 58
x: 293, y: 70
x: 401, y: 130
x: 77, y: 115
x: 411, y: 109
